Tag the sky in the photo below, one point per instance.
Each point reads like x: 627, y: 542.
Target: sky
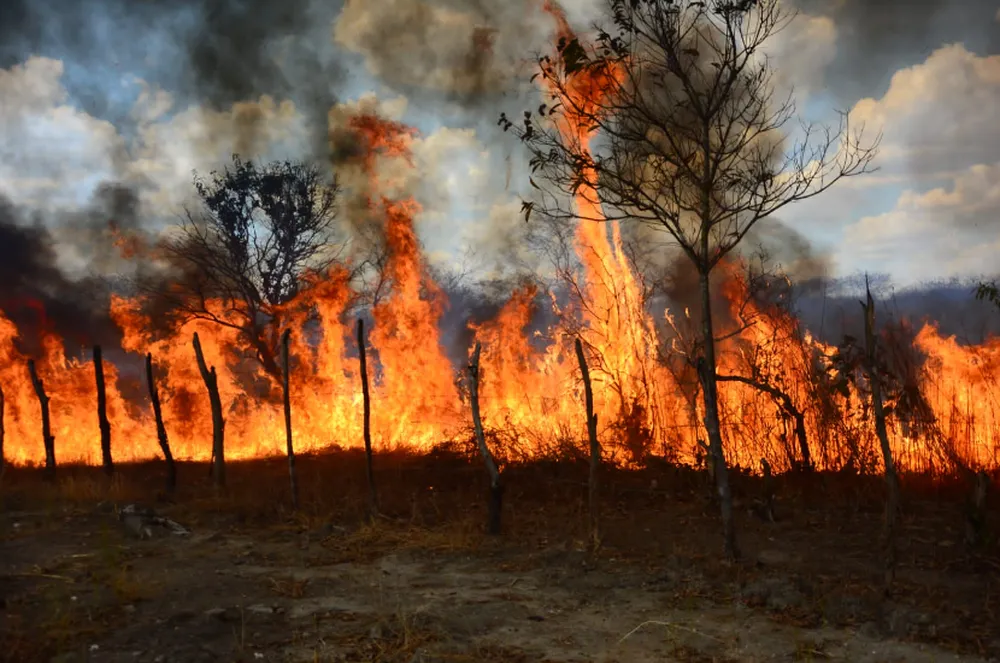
x: 98, y: 92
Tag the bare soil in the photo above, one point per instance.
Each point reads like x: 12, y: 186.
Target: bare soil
x: 253, y: 581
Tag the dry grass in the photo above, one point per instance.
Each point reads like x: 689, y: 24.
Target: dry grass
x: 657, y: 517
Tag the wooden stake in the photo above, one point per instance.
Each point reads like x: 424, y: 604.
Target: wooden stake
x: 218, y: 422
x: 496, y: 488
x: 595, y: 449
x: 161, y: 430
x: 288, y: 419
x: 47, y: 438
x: 891, y: 477
x: 2, y: 433
x: 366, y: 404
x: 102, y: 413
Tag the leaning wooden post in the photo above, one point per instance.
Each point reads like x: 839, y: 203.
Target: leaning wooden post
x: 288, y: 419
x: 161, y: 430
x: 595, y: 449
x: 496, y: 489
x: 47, y: 438
x: 102, y: 413
x: 891, y: 478
x: 218, y: 423
x: 2, y: 405
x: 366, y: 404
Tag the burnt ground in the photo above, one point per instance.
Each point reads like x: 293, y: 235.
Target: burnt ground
x: 253, y: 581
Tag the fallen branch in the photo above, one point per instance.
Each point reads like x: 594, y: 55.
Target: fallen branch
x: 678, y: 627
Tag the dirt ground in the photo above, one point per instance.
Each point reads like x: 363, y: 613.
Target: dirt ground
x: 253, y: 581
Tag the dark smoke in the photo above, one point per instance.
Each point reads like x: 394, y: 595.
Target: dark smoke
x: 207, y: 52
x: 461, y: 58
x: 38, y: 294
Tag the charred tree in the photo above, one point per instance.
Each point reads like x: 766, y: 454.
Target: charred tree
x: 287, y: 398
x: 102, y: 413
x: 593, y: 505
x: 47, y: 438
x: 367, y: 429
x: 218, y: 423
x: 161, y: 430
x: 878, y: 409
x: 496, y: 488
x: 805, y: 457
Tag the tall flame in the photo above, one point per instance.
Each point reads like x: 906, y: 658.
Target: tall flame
x: 530, y: 389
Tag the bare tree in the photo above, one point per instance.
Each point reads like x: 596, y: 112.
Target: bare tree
x: 260, y: 234
x: 670, y: 118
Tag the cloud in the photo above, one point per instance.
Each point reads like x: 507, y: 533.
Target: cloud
x: 940, y: 144
x: 51, y: 154
x: 876, y: 39
x: 935, y: 233
x: 938, y: 116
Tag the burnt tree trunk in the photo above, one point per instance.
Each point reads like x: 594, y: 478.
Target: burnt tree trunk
x: 218, y: 423
x: 161, y: 430
x: 367, y: 431
x: 102, y: 413
x: 47, y: 438
x: 292, y: 476
x: 2, y: 433
x: 496, y: 488
x: 707, y: 374
x: 805, y: 462
x: 595, y: 450
x: 891, y: 477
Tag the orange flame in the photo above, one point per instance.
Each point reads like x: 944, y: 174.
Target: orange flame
x: 530, y: 388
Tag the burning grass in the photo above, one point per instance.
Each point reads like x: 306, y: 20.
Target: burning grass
x: 942, y: 395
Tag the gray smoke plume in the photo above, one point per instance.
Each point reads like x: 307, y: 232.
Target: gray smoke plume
x: 40, y: 295
x: 208, y: 52
x: 465, y: 51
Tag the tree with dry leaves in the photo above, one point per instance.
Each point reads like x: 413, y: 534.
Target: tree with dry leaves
x: 678, y: 125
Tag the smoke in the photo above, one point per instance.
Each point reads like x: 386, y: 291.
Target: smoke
x: 786, y: 249
x: 211, y: 53
x: 42, y: 295
x: 467, y: 51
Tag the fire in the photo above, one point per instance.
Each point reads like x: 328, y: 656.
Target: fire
x: 530, y: 391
